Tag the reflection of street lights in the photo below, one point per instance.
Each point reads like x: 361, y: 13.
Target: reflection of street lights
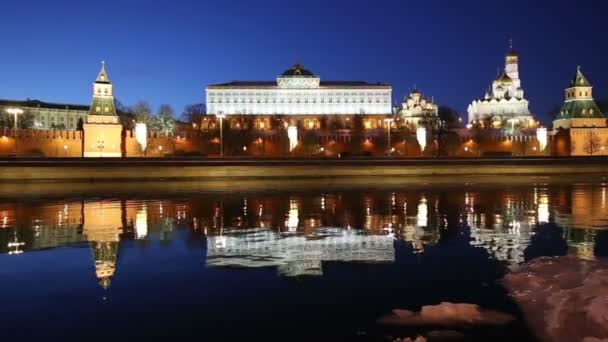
x: 15, y: 112
x: 389, y: 121
x: 221, y: 116
x: 100, y: 146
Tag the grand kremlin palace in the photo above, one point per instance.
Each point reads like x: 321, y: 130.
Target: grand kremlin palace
x: 302, y: 98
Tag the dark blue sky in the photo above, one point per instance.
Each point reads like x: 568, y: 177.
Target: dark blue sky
x: 168, y: 51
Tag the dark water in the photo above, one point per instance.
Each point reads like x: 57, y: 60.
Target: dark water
x: 286, y: 261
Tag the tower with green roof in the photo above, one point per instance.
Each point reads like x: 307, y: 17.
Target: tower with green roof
x: 579, y: 109
x: 103, y: 130
x: 580, y: 126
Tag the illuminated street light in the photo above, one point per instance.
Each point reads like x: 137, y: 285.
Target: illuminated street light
x: 389, y: 121
x: 512, y: 122
x: 15, y: 112
x: 221, y: 116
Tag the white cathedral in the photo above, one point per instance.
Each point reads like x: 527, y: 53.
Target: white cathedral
x: 504, y: 104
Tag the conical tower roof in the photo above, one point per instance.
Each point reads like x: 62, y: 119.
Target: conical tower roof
x: 579, y: 79
x: 102, y: 77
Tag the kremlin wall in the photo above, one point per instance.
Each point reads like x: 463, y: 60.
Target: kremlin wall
x: 301, y: 115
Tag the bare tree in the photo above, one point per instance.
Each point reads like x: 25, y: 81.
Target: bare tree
x: 193, y: 113
x: 592, y: 143
x: 143, y: 113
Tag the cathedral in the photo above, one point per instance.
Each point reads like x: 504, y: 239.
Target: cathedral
x: 504, y: 104
x: 417, y: 110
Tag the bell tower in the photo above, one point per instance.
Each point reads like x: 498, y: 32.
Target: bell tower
x: 102, y: 131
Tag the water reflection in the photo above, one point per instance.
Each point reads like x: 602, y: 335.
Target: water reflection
x: 298, y: 232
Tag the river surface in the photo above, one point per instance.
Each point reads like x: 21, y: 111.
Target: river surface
x: 289, y: 260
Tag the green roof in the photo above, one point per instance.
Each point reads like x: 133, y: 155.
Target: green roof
x: 579, y: 79
x: 102, y: 77
x: 298, y: 70
x: 102, y: 103
x: 580, y: 109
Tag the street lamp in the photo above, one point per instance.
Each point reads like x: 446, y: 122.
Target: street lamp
x: 100, y: 146
x: 221, y: 116
x: 512, y: 122
x: 389, y: 121
x: 15, y: 112
x: 65, y: 148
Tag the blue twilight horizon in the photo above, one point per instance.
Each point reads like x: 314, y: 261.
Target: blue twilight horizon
x: 168, y: 51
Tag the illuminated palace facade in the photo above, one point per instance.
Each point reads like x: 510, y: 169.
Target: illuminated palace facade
x: 298, y: 100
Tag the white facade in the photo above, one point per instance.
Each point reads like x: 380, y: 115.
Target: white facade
x: 416, y: 108
x: 504, y: 101
x: 296, y: 255
x: 298, y: 92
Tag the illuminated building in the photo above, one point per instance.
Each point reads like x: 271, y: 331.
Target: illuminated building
x: 48, y: 115
x: 580, y: 124
x: 102, y: 130
x: 416, y: 110
x: 302, y: 98
x: 504, y: 104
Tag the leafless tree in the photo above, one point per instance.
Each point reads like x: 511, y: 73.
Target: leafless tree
x: 592, y: 143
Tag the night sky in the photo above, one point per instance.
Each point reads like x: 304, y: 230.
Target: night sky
x: 168, y: 51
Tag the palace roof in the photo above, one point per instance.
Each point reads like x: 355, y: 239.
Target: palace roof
x: 40, y: 104
x: 273, y: 84
x: 298, y: 70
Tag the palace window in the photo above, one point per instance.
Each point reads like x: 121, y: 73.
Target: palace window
x: 98, y: 109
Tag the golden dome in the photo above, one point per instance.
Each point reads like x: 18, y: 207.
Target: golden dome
x: 504, y: 79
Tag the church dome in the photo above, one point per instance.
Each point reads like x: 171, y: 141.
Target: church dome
x: 504, y: 79
x: 298, y: 70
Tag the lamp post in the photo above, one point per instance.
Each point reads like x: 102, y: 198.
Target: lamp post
x: 100, y: 146
x: 15, y: 112
x: 389, y: 121
x: 221, y: 116
x: 512, y: 122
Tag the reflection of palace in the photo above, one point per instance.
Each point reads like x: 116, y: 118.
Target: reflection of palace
x: 296, y: 254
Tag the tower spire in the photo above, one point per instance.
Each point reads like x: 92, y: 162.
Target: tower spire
x: 102, y: 77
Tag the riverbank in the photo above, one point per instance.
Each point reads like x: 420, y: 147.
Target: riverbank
x: 24, y: 170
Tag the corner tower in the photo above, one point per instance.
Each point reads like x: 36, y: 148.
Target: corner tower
x: 102, y: 131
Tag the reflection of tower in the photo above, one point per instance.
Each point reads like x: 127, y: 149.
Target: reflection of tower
x: 102, y: 228
x: 141, y: 222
